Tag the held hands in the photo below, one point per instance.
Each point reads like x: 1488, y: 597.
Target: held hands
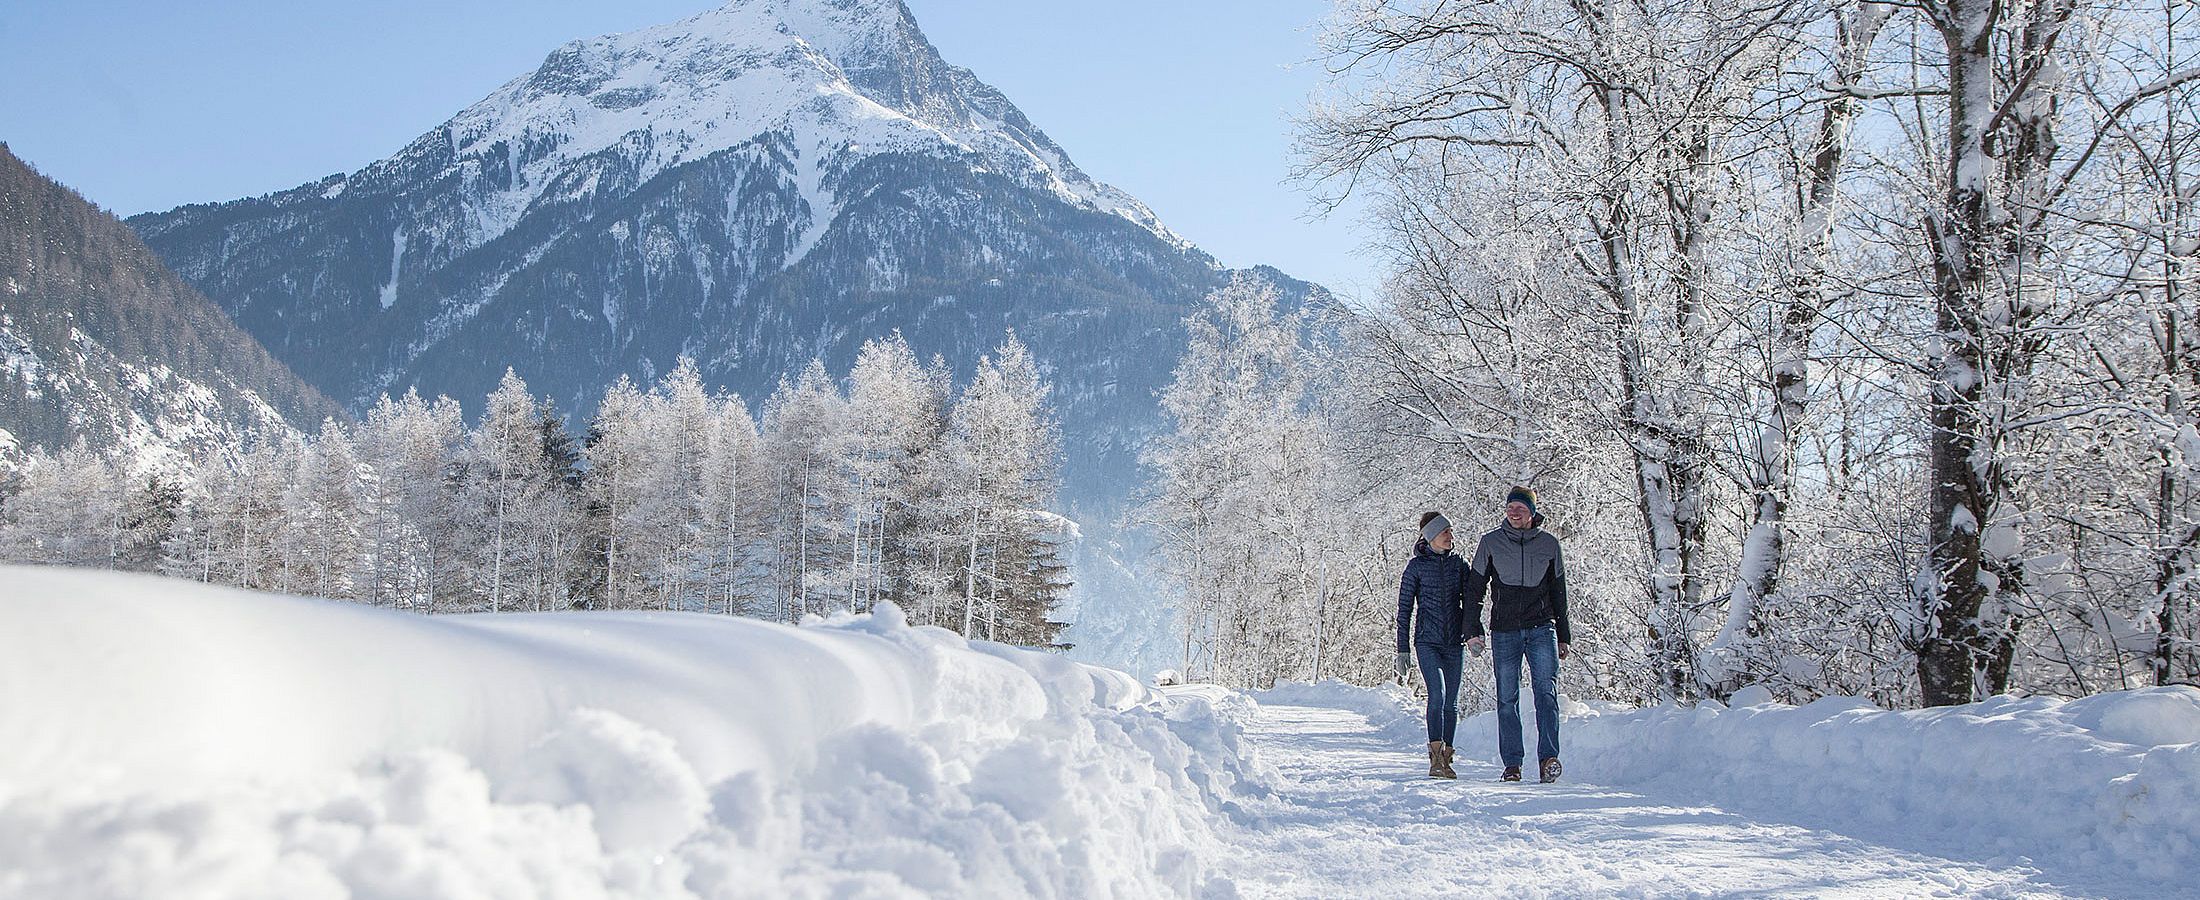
x: 1475, y: 645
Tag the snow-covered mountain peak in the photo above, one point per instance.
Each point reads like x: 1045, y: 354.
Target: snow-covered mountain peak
x: 826, y: 82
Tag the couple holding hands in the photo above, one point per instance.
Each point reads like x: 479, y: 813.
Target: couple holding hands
x: 1519, y: 567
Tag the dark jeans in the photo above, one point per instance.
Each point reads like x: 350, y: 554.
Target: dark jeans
x: 1440, y: 664
x: 1539, y: 645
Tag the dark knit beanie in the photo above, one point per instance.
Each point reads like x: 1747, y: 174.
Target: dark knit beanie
x: 1521, y: 495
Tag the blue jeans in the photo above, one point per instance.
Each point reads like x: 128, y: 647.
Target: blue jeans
x: 1440, y: 665
x: 1540, y: 646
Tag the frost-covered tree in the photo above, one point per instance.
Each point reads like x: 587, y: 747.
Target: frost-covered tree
x: 998, y: 470
x: 895, y: 418
x: 520, y: 502
x: 226, y: 530
x: 729, y: 525
x: 1236, y: 480
x: 558, y: 538
x: 677, y: 500
x: 419, y: 525
x: 324, y: 518
x: 677, y: 418
x: 73, y: 508
x: 1611, y: 129
x: 1799, y: 257
x: 619, y: 461
x: 1881, y: 305
x: 804, y: 431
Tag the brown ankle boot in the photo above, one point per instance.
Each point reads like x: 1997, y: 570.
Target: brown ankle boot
x: 1436, y: 759
x: 1551, y: 770
x: 1443, y: 765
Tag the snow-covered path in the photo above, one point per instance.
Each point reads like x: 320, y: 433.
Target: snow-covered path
x: 1357, y: 817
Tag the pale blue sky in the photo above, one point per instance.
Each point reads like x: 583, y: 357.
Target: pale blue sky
x: 143, y: 105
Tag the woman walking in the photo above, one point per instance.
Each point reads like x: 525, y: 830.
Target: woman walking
x: 1434, y: 624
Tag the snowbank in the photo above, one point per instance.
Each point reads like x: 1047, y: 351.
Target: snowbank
x: 2109, y: 784
x: 2107, y: 787
x: 165, y: 739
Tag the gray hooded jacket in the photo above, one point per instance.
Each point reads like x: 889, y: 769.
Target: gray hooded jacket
x: 1526, y: 576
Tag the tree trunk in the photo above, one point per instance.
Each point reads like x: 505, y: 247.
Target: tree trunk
x: 1951, y: 592
x: 1663, y: 480
x: 496, y: 568
x: 1771, y: 466
x: 1987, y: 253
x: 2177, y: 526
x: 970, y: 578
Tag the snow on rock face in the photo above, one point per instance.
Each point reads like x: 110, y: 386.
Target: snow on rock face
x: 852, y: 78
x: 181, y: 740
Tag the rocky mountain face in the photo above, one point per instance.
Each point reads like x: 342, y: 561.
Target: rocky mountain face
x: 762, y: 184
x: 101, y: 343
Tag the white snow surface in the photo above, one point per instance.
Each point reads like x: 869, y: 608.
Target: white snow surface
x: 160, y: 738
x: 2105, y: 788
x: 165, y: 739
x: 2005, y: 798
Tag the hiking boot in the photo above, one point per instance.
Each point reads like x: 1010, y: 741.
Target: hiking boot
x: 1512, y: 773
x: 1551, y: 768
x: 1436, y: 767
x: 1443, y: 761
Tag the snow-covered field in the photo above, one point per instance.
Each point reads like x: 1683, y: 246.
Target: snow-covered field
x: 165, y: 739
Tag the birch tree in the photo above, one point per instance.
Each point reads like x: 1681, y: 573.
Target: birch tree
x: 1623, y: 113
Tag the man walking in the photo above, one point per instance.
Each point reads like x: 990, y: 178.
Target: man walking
x: 1525, y: 576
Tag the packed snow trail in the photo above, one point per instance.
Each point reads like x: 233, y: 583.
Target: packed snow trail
x: 1355, y: 815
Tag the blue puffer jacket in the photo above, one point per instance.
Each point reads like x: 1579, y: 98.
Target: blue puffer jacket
x: 1432, y: 600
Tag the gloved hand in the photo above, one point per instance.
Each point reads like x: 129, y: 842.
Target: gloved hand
x: 1405, y: 665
